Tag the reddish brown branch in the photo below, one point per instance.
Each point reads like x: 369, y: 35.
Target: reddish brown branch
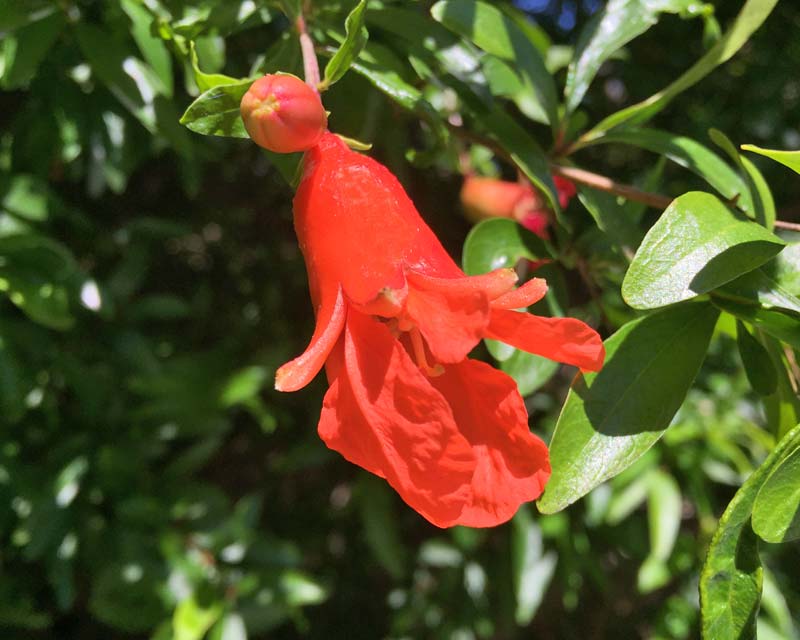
x: 602, y: 183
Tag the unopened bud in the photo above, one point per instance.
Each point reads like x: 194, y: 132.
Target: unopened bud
x: 283, y: 114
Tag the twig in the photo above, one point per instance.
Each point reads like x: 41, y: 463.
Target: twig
x: 602, y: 183
x: 792, y: 226
x: 310, y: 64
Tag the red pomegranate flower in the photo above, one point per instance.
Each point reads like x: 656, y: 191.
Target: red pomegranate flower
x: 396, y: 319
x: 484, y: 197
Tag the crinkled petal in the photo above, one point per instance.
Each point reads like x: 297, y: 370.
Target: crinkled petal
x: 452, y: 319
x: 565, y: 340
x: 493, y: 284
x: 512, y: 463
x: 297, y: 373
x: 389, y: 303
x: 382, y: 414
x: 529, y: 293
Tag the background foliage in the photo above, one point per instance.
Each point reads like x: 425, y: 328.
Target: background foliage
x: 150, y: 284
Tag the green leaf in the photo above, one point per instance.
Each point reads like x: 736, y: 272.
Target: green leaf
x: 216, y: 112
x: 761, y: 287
x: 15, y: 14
x: 611, y: 217
x: 529, y: 371
x: 776, y: 511
x: 497, y: 243
x: 782, y: 408
x: 619, y: 22
x: 750, y: 18
x: 783, y: 326
x: 230, y: 627
x: 498, y: 34
x: 153, y: 49
x: 353, y: 44
x: 380, y: 528
x: 26, y: 48
x: 730, y: 584
x: 763, y: 202
x: 206, y: 81
x: 757, y: 364
x: 383, y: 70
x: 664, y: 510
x: 690, y: 154
x: 35, y: 274
x: 789, y: 158
x: 763, y: 206
x: 532, y: 567
x: 131, y: 81
x: 506, y: 81
x: 521, y: 147
x: 191, y: 620
x: 697, y: 245
x: 612, y: 417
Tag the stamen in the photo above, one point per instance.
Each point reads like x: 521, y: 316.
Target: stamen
x: 421, y: 357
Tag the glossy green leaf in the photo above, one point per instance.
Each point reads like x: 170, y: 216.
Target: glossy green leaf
x: 730, y: 584
x: 206, y: 81
x: 23, y: 51
x: 612, y: 417
x: 610, y: 29
x: 760, y: 204
x: 757, y: 363
x: 789, y: 158
x: 216, y: 112
x: 763, y: 203
x: 611, y: 217
x: 690, y: 154
x: 354, y: 43
x: 498, y: 34
x: 783, y: 326
x: 697, y: 245
x: 497, y: 243
x: 529, y: 371
x: 763, y: 287
x: 776, y: 511
x: 782, y: 408
x: 750, y: 18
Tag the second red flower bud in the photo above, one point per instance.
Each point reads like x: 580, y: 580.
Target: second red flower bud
x: 283, y: 114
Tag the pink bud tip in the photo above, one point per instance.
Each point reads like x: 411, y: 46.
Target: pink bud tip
x: 283, y: 114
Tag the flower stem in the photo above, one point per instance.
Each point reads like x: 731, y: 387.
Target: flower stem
x: 310, y: 64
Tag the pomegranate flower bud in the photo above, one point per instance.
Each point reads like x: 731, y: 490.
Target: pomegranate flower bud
x: 283, y: 114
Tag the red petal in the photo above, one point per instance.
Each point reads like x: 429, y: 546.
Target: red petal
x: 493, y: 284
x: 562, y: 339
x: 530, y: 292
x: 299, y: 372
x: 381, y: 413
x: 513, y: 464
x: 357, y: 225
x: 452, y: 315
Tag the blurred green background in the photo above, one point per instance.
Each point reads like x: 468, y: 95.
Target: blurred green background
x: 155, y: 486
